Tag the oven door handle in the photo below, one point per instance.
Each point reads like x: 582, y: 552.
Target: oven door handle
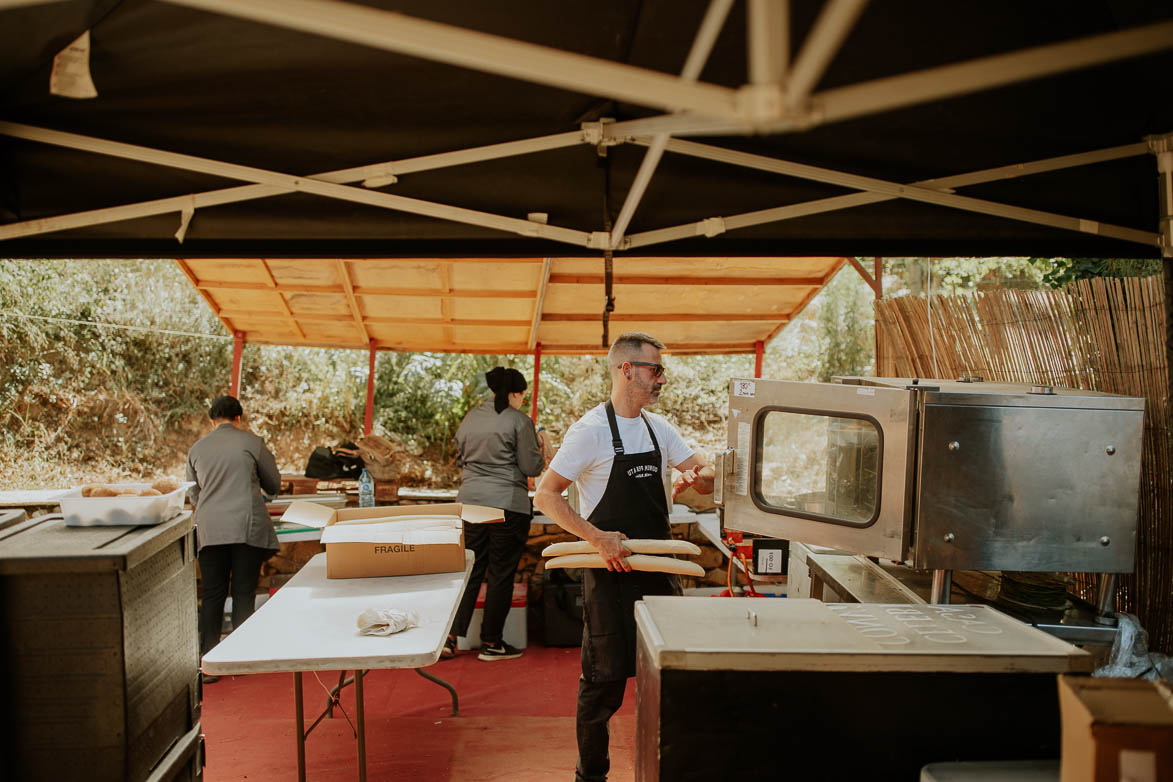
x: 726, y: 462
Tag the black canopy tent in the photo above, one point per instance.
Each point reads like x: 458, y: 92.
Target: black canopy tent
x: 392, y: 128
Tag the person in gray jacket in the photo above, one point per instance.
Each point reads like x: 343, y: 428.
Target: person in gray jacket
x: 498, y: 449
x: 234, y: 534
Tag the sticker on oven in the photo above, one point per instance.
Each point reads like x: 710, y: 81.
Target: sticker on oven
x: 741, y: 461
x: 865, y: 391
x: 745, y: 388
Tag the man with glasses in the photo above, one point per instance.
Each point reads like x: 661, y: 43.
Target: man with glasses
x: 617, y: 455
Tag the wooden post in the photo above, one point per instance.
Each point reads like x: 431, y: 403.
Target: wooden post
x: 533, y: 394
x: 759, y: 349
x: 879, y: 289
x: 369, y: 415
x: 237, y: 351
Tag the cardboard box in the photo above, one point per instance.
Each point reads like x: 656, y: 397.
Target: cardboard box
x: 391, y: 541
x: 1116, y: 730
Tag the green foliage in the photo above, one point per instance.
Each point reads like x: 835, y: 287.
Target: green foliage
x: 422, y: 397
x: 832, y: 336
x: 81, y: 402
x: 78, y: 393
x: 1061, y: 271
x: 846, y: 323
x: 952, y: 276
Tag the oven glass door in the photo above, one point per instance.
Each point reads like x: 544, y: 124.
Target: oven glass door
x: 821, y: 463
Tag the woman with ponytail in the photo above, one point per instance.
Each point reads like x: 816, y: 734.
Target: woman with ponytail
x: 498, y: 449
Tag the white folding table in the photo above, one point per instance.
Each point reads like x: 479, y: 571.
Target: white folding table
x: 310, y: 624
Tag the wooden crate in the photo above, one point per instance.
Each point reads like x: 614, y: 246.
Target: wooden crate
x: 298, y: 484
x: 386, y: 491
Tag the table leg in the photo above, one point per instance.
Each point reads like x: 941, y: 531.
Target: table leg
x: 360, y: 717
x: 816, y: 587
x: 445, y: 685
x: 300, y: 718
x: 335, y: 694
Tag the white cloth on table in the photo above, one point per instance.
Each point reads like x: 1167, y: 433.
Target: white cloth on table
x: 385, y: 621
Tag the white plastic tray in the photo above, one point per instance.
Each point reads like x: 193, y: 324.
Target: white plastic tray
x: 125, y: 510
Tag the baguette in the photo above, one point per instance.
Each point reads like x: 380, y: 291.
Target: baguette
x: 636, y: 546
x: 643, y: 562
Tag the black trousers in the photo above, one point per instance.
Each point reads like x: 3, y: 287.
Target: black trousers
x: 238, y: 566
x: 608, y: 657
x: 597, y: 703
x: 497, y: 548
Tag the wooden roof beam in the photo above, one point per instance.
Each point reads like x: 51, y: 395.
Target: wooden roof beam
x: 873, y: 282
x: 190, y: 275
x: 539, y: 303
x: 664, y: 317
x: 351, y: 299
x: 362, y: 290
x: 270, y: 315
x: 445, y: 272
x: 834, y: 270
x: 643, y: 279
x: 502, y: 348
x: 288, y: 312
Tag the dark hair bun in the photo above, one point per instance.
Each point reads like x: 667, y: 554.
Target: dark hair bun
x: 503, y: 382
x: 494, y: 377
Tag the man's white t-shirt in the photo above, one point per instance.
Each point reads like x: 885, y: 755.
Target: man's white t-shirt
x: 586, y: 453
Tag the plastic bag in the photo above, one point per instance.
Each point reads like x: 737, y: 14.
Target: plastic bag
x: 1131, y: 658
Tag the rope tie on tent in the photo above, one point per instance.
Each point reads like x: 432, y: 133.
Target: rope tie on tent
x: 609, y: 307
x: 608, y: 263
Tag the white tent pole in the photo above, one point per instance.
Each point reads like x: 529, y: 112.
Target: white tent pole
x: 831, y: 28
x: 471, y: 49
x: 912, y: 192
x: 768, y: 44
x: 946, y: 184
x: 702, y: 46
x: 920, y: 87
x: 457, y: 157
x: 1162, y: 147
x: 679, y: 124
x: 988, y: 72
x: 285, y: 182
x: 231, y: 195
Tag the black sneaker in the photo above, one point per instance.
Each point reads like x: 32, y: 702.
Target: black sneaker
x: 499, y: 651
x: 449, y: 650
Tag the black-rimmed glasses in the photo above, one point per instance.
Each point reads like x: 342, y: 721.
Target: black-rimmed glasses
x: 657, y: 369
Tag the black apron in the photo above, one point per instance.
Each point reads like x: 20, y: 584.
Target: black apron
x: 634, y: 504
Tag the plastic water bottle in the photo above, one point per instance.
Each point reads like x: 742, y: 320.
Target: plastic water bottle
x: 366, y: 489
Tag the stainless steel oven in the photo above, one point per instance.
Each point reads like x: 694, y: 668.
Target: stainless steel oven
x: 940, y: 475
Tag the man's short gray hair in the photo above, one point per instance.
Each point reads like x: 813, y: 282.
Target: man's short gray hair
x: 629, y: 346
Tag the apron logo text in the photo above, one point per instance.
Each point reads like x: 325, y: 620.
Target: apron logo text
x: 644, y: 471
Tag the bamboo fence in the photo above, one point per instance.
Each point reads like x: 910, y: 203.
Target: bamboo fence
x: 1102, y: 335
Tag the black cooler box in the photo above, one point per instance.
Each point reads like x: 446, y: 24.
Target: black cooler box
x: 562, y: 607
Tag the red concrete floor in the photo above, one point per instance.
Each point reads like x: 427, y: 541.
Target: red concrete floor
x: 516, y: 723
